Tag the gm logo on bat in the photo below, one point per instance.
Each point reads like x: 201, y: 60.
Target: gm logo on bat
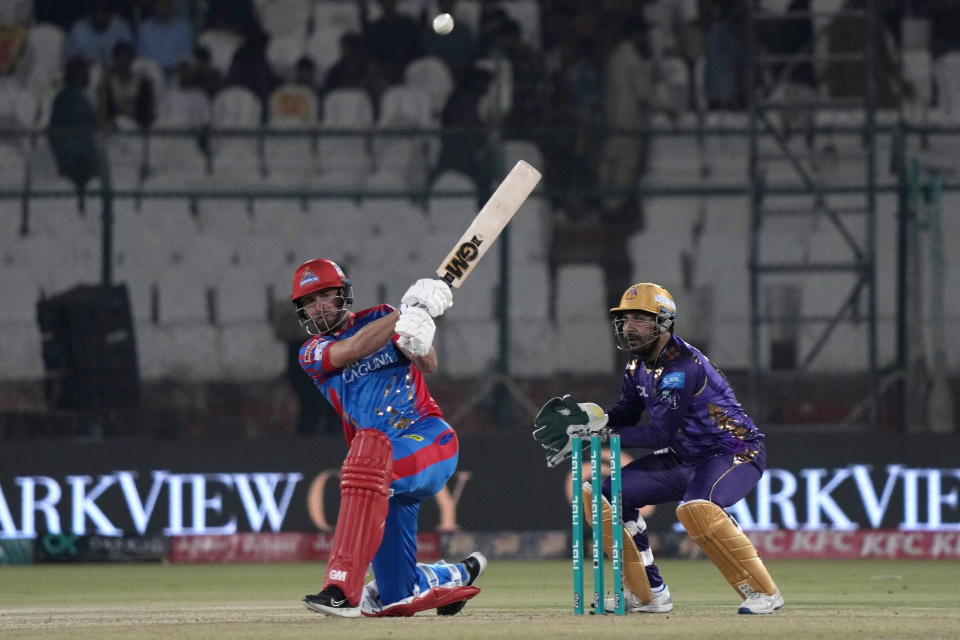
x: 460, y: 263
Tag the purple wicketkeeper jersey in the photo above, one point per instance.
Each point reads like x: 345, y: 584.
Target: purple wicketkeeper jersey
x: 692, y: 409
x: 383, y: 391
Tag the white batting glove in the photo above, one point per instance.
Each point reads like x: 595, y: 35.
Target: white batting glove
x: 415, y: 328
x: 431, y: 294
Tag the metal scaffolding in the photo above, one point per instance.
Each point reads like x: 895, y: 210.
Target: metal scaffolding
x: 785, y: 129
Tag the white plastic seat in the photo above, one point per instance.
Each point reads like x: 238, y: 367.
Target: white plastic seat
x: 290, y: 159
x: 236, y: 107
x: 284, y: 50
x: 336, y: 231
x: 228, y: 218
x: 335, y: 13
x: 403, y: 107
x: 185, y: 351
x: 182, y: 295
x: 515, y: 150
x: 529, y: 292
x: 470, y: 342
x: 393, y: 239
x: 138, y: 253
x: 284, y: 17
x: 149, y: 69
x: 19, y: 108
x: 584, y: 346
x: 286, y: 220
x: 527, y: 14
x: 21, y: 286
x: 222, y: 45
x: 241, y: 295
x: 918, y: 73
x: 323, y: 46
x: 946, y: 70
x: 168, y: 219
x: 655, y: 260
x: 674, y: 157
x: 449, y: 216
x: 177, y: 156
x: 530, y: 232
x: 581, y: 292
x: 12, y: 166
x: 10, y: 222
x: 20, y: 344
x: 273, y: 259
x: 236, y: 159
x: 60, y: 218
x: 454, y: 182
x: 532, y: 347
x: 125, y: 153
x: 43, y: 64
x: 468, y: 12
x: 347, y: 110
x: 430, y: 74
x: 249, y: 351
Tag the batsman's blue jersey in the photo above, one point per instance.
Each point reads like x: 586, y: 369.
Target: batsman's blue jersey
x: 692, y: 409
x: 383, y: 391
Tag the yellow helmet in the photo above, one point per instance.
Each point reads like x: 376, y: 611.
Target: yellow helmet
x: 648, y: 298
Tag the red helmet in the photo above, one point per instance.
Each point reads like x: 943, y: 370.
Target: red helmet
x: 315, y: 275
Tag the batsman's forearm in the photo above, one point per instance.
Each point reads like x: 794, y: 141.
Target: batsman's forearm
x: 364, y: 342
x: 426, y: 364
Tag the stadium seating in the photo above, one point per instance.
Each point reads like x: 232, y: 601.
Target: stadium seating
x: 431, y: 75
x: 346, y: 157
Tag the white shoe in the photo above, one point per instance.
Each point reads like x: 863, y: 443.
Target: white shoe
x: 761, y: 603
x: 661, y: 603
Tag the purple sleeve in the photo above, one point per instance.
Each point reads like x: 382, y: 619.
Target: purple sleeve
x: 625, y: 414
x: 629, y: 406
x: 647, y: 436
x: 664, y: 424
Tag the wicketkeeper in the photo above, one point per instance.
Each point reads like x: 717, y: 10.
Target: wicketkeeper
x: 708, y: 453
x: 369, y: 365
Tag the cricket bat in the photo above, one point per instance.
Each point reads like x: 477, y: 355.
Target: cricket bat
x: 493, y: 217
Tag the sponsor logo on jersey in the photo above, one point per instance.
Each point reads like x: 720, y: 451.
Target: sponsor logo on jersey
x: 311, y: 353
x: 379, y: 360
x: 673, y: 380
x: 307, y: 277
x: 320, y: 348
x: 413, y: 436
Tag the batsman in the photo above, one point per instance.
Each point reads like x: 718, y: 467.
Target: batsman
x: 369, y: 365
x: 707, y: 453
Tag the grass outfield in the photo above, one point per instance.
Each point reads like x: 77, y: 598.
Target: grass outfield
x: 824, y: 599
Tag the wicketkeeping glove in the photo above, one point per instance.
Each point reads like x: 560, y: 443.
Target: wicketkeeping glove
x: 562, y: 417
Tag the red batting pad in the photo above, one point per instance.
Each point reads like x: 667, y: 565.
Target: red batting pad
x: 364, y: 494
